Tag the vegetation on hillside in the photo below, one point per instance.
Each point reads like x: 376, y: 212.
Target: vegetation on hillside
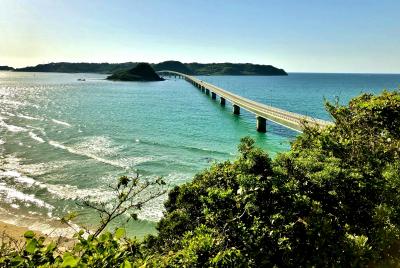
x: 6, y: 68
x: 172, y: 65
x: 81, y: 67
x: 333, y: 200
x: 234, y: 69
x: 141, y: 72
x: 187, y: 68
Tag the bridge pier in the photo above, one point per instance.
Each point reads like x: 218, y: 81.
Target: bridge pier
x: 236, y: 109
x: 261, y: 124
x: 222, y: 100
x: 207, y: 91
x: 213, y: 95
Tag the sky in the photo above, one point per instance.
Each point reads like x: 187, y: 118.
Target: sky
x: 296, y: 35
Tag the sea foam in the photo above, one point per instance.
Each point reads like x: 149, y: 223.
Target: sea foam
x: 90, y: 151
x: 36, y: 137
x: 12, y: 128
x: 10, y: 195
x: 61, y: 122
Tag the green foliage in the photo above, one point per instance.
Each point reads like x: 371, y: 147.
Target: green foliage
x: 141, y: 72
x: 233, y: 69
x: 333, y: 200
x: 107, y: 250
x: 186, y: 68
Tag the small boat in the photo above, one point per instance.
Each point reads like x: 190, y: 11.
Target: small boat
x: 81, y: 79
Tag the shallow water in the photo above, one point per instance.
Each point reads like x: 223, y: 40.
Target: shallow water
x: 62, y: 140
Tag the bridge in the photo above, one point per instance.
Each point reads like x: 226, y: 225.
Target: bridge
x: 262, y: 112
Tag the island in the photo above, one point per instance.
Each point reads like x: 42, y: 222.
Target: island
x: 193, y: 68
x: 142, y: 72
x: 6, y: 68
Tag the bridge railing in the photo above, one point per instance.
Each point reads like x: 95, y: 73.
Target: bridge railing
x: 259, y: 109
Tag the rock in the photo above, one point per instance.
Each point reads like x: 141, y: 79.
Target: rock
x: 142, y: 72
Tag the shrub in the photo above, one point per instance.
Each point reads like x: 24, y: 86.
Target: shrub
x: 333, y: 200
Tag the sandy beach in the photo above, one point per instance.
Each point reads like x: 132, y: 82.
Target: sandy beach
x: 16, y: 233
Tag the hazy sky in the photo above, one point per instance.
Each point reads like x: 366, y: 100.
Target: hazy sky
x: 297, y: 35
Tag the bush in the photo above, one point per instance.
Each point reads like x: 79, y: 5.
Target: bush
x: 333, y: 200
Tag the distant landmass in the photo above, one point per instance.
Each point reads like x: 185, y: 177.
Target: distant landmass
x: 6, y: 68
x: 141, y: 72
x: 234, y: 69
x: 82, y: 67
x: 187, y: 68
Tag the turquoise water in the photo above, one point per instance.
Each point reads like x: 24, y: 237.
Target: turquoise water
x: 62, y: 140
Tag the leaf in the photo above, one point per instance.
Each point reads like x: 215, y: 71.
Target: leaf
x: 123, y: 181
x: 18, y: 260
x: 126, y: 264
x: 69, y: 261
x: 119, y: 233
x: 31, y: 246
x: 29, y: 234
x: 50, y: 247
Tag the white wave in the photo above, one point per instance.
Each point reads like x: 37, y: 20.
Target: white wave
x: 41, y: 130
x: 28, y: 117
x: 10, y: 195
x: 18, y: 177
x: 84, y: 151
x: 12, y: 102
x: 98, y: 145
x: 15, y: 206
x: 57, y: 145
x: 74, y: 193
x: 2, y: 142
x: 12, y: 128
x: 153, y: 210
x: 36, y: 137
x: 8, y: 113
x: 61, y: 123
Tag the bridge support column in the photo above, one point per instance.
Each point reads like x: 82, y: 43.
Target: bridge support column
x: 236, y: 109
x: 261, y: 124
x: 213, y: 95
x: 222, y: 100
x: 207, y: 91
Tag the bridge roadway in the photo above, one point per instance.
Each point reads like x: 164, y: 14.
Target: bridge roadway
x: 263, y: 112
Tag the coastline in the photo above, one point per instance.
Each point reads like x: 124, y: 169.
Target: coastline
x: 16, y: 233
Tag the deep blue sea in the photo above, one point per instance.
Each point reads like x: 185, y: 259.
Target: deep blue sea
x: 63, y: 140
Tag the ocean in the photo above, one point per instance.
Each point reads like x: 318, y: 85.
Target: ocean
x: 63, y: 140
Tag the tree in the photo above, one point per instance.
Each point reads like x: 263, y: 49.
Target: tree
x: 130, y: 194
x: 332, y: 200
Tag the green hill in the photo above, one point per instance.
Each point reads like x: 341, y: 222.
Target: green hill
x: 234, y: 69
x: 187, y: 68
x: 82, y: 67
x: 172, y: 65
x: 141, y: 72
x: 6, y: 68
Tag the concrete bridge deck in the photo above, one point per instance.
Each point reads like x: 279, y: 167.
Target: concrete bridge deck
x: 263, y: 112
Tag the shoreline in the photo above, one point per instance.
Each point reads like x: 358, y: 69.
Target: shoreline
x: 13, y: 232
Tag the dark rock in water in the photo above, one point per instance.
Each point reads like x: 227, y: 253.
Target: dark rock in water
x: 142, y: 72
